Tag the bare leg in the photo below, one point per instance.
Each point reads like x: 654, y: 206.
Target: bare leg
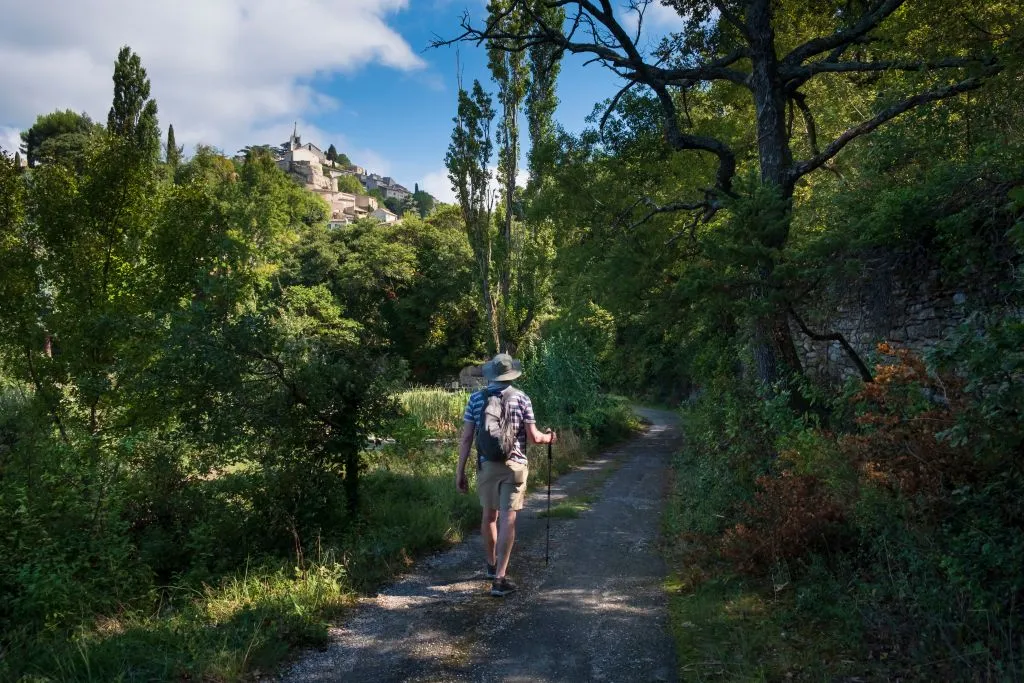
x: 506, y: 537
x: 489, y: 532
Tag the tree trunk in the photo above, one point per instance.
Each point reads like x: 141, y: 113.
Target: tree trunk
x: 769, y: 101
x: 490, y: 309
x: 352, y: 480
x: 774, y: 350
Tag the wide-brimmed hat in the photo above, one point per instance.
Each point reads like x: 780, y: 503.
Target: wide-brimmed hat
x: 502, y: 368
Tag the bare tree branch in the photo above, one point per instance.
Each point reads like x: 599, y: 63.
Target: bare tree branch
x: 855, y: 358
x: 797, y: 76
x: 706, y: 209
x: 840, y: 39
x: 732, y: 18
x: 812, y: 131
x: 804, y: 167
x: 683, y: 141
x: 614, y: 103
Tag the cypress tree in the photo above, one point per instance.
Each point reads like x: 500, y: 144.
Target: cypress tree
x: 173, y: 151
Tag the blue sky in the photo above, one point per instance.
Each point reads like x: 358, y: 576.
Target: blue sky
x: 355, y: 73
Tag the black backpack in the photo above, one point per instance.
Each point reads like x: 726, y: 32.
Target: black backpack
x: 494, y: 437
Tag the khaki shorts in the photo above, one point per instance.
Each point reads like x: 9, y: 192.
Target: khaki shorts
x: 502, y: 486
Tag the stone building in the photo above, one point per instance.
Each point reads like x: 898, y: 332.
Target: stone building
x: 307, y: 164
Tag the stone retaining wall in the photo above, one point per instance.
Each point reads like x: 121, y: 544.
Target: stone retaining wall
x: 883, y: 304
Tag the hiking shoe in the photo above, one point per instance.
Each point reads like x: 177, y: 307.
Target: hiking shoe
x: 502, y: 587
x: 491, y: 571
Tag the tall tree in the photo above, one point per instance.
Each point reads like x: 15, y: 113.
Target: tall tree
x: 173, y: 151
x: 133, y: 114
x: 541, y: 99
x: 468, y: 158
x: 332, y: 154
x: 777, y: 54
x: 510, y: 73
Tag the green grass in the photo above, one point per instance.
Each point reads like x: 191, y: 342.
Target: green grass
x: 248, y: 622
x: 225, y: 633
x: 570, y: 508
x: 242, y: 625
x: 437, y: 411
x: 730, y: 629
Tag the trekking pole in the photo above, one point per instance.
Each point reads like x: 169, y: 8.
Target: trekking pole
x: 547, y: 545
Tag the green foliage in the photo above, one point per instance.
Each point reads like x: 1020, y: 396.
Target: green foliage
x: 349, y: 183
x: 438, y: 411
x: 424, y: 202
x: 562, y: 379
x: 171, y: 150
x: 189, y: 374
x: 61, y: 136
x: 133, y: 114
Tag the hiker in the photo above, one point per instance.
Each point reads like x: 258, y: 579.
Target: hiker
x: 501, y: 461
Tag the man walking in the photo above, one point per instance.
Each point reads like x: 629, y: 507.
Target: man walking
x: 501, y: 481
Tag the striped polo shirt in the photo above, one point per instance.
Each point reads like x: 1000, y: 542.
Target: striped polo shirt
x: 520, y: 413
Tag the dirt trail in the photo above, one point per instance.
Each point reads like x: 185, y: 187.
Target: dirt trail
x: 596, y: 613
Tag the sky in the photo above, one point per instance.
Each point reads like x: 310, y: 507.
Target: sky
x: 358, y: 74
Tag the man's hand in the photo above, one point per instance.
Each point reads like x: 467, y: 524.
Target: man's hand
x: 461, y: 484
x: 539, y: 437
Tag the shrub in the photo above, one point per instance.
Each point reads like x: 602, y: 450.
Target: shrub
x: 791, y: 516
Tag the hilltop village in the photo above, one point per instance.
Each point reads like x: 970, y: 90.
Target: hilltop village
x: 381, y: 197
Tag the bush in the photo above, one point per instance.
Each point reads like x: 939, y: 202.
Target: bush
x: 915, y: 510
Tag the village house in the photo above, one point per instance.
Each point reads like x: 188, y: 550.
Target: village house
x: 383, y: 215
x: 348, y: 208
x: 387, y: 186
x: 307, y: 163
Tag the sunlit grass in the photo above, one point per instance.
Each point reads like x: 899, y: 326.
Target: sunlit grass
x: 568, y: 509
x: 226, y: 632
x: 437, y: 410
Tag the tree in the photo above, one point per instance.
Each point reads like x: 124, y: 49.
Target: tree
x: 541, y: 99
x: 395, y: 205
x: 467, y: 160
x: 332, y: 155
x: 778, y: 59
x: 349, y: 183
x: 133, y: 113
x: 424, y: 202
x: 58, y: 136
x: 172, y: 150
x: 509, y: 71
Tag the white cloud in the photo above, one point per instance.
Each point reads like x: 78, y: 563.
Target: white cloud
x: 223, y: 72
x: 658, y: 20
x: 10, y: 139
x: 437, y: 184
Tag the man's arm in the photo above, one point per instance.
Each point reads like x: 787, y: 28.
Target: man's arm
x: 537, y: 436
x: 465, y: 443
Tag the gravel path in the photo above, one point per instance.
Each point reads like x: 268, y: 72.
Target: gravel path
x: 596, y: 613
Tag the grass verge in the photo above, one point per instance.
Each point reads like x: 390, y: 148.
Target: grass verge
x: 242, y: 625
